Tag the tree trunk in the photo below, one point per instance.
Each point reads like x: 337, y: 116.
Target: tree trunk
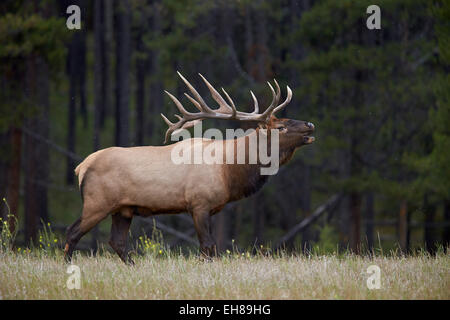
x: 297, y: 52
x: 261, y: 70
x: 141, y: 67
x: 5, y: 141
x: 355, y: 233
x: 343, y: 208
x: 31, y: 210
x: 123, y: 73
x: 156, y: 90
x: 43, y: 149
x: 429, y: 232
x: 12, y: 195
x: 403, y: 227
x: 296, y: 49
x: 258, y: 220
x: 81, y: 65
x: 357, y: 101
x: 370, y: 220
x: 98, y: 74
x: 249, y: 42
x: 36, y: 154
x: 307, y: 235
x: 235, y: 229
x: 446, y: 233
x: 107, y: 51
x: 72, y: 70
x: 102, y: 48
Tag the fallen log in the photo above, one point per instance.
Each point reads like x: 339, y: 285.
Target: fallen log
x: 330, y: 203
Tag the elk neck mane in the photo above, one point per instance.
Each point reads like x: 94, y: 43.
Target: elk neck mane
x: 246, y: 179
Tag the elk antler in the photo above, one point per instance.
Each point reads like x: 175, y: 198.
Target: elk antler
x: 226, y: 110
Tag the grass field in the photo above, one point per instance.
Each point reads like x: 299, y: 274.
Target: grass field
x: 173, y: 276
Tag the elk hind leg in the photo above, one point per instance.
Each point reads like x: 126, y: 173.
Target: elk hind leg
x: 88, y: 220
x: 120, y: 226
x: 73, y: 235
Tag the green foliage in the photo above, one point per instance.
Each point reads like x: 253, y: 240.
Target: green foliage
x: 21, y: 37
x: 49, y: 243
x: 368, y: 91
x: 25, y: 38
x: 7, y: 237
x: 328, y: 241
x: 152, y: 246
x: 434, y: 168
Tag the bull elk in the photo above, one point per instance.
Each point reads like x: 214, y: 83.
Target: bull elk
x: 144, y: 181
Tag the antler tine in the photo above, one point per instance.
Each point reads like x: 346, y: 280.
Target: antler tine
x: 284, y: 104
x: 275, y: 98
x: 167, y: 120
x: 179, y: 105
x: 196, y: 94
x: 278, y: 90
x: 224, y: 107
x: 278, y: 96
x: 196, y: 104
x: 233, y: 107
x: 172, y: 126
x: 255, y: 101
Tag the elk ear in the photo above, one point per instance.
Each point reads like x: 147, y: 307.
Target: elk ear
x: 271, y: 122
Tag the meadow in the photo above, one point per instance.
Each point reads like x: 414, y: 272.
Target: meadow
x: 36, y: 275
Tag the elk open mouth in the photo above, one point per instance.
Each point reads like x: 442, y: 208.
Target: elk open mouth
x: 308, y: 139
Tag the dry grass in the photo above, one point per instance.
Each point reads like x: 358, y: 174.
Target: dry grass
x: 25, y: 276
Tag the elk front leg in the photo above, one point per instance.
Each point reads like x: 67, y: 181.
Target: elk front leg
x: 202, y: 224
x: 119, y: 236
